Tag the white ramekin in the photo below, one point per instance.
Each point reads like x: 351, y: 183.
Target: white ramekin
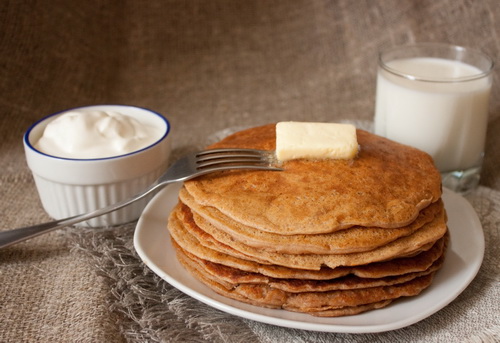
x: 68, y: 187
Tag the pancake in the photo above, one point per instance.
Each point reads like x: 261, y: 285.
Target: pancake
x: 356, y: 239
x: 386, y: 185
x: 321, y: 301
x: 191, y: 238
x: 248, y: 269
x: 259, y: 273
x: 313, y: 302
x: 232, y: 277
x: 349, y: 311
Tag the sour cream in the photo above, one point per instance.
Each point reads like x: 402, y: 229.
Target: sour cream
x: 95, y: 134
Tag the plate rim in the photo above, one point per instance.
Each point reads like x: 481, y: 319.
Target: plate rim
x: 147, y: 254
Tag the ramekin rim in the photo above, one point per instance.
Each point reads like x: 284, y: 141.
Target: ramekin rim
x: 35, y: 124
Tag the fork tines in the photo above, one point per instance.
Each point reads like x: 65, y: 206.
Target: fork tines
x: 234, y: 156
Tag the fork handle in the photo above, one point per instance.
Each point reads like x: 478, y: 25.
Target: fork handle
x: 18, y: 235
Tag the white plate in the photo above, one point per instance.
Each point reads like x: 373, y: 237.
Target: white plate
x: 464, y: 257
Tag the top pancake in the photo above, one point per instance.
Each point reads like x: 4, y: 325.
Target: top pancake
x: 385, y: 186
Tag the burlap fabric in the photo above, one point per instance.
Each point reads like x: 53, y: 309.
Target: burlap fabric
x: 207, y: 65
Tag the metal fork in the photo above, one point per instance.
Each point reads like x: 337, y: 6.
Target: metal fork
x: 186, y: 168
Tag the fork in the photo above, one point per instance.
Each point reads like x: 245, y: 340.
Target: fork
x: 186, y: 168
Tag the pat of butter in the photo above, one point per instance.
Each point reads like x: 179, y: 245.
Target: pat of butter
x: 296, y: 140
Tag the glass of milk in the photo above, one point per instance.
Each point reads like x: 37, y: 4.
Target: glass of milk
x: 435, y: 97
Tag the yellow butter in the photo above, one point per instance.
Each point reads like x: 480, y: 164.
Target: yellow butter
x: 295, y: 140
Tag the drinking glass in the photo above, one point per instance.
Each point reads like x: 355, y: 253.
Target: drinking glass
x: 435, y: 97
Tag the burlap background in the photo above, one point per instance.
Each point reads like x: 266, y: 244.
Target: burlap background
x: 207, y: 65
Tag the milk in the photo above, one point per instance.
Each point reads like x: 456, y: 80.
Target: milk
x: 446, y: 119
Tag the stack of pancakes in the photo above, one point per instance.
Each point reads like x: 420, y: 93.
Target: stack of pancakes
x: 325, y: 237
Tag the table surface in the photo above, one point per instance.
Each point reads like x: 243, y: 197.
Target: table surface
x: 207, y: 66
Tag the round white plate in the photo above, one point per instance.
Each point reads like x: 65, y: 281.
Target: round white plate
x: 464, y: 257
